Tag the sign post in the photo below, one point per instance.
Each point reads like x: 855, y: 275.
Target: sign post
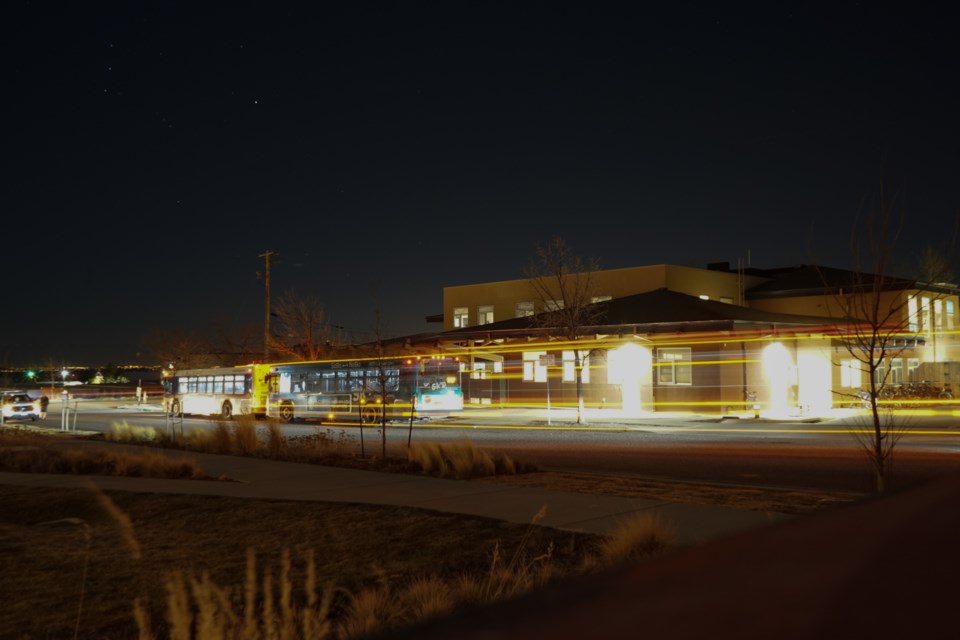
x: 547, y: 360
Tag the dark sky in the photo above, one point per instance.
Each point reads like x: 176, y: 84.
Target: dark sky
x: 155, y: 150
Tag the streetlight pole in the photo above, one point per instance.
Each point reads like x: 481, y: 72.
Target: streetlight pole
x: 266, y: 313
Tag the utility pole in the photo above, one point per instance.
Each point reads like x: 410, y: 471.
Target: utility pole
x: 266, y: 255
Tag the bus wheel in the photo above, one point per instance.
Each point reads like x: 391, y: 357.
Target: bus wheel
x: 369, y: 415
x: 286, y: 412
x: 175, y: 408
x: 226, y: 411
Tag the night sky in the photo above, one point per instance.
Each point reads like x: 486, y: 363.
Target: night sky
x: 155, y: 150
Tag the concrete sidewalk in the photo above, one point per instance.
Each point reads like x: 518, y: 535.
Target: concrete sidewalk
x: 268, y: 479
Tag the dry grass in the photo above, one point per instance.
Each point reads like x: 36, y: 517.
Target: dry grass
x: 378, y: 568
x: 33, y: 454
x: 738, y: 497
x: 123, y: 565
x: 353, y: 569
x: 461, y: 460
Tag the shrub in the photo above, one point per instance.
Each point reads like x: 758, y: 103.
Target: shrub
x: 221, y: 440
x: 429, y: 456
x: 245, y: 436
x: 276, y: 443
x: 642, y: 536
x: 123, y: 431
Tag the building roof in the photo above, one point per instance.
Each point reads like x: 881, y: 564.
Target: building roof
x: 811, y: 280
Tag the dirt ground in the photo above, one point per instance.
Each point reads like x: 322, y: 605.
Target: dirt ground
x: 736, y: 496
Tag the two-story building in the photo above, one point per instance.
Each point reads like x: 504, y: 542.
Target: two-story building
x: 675, y: 338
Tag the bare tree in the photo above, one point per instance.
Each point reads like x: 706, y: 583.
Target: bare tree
x: 881, y: 318
x: 302, y: 332
x: 244, y: 342
x: 564, y: 286
x: 183, y: 349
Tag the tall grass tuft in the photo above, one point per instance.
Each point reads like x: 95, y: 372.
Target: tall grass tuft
x: 123, y: 431
x: 467, y: 461
x: 276, y: 443
x: 368, y: 611
x: 429, y: 456
x: 245, y: 435
x: 271, y: 609
x: 462, y: 460
x: 642, y: 537
x: 221, y: 440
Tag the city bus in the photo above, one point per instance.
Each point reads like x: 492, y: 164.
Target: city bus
x: 365, y: 390
x: 218, y: 391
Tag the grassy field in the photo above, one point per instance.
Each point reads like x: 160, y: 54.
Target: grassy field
x: 82, y: 563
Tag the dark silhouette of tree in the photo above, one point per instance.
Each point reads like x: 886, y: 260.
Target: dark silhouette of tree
x: 881, y: 315
x: 302, y: 331
x: 563, y: 283
x: 183, y: 349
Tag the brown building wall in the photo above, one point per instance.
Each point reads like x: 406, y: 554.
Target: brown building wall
x: 615, y: 283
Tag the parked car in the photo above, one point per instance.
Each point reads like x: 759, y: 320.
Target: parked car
x: 18, y: 404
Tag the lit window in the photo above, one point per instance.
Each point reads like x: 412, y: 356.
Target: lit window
x: 532, y: 369
x: 674, y: 366
x: 925, y: 314
x: 912, y: 313
x: 950, y: 321
x: 523, y: 309
x: 938, y: 314
x: 596, y: 299
x: 485, y: 314
x: 850, y: 374
x: 479, y: 371
x: 704, y: 297
x: 570, y: 369
x: 461, y: 317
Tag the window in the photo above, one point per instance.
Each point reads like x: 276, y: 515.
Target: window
x: 912, y: 313
x: 553, y: 305
x: 925, y: 314
x: 570, y: 369
x: 596, y: 299
x: 913, y: 369
x: 674, y: 366
x: 532, y: 369
x: 479, y: 371
x: 950, y: 322
x: 850, y: 373
x: 896, y: 370
x: 485, y: 314
x: 523, y: 309
x: 461, y: 317
x: 938, y: 314
x: 879, y: 374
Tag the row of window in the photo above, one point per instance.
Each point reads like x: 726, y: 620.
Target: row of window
x: 673, y: 366
x: 340, y: 381
x: 228, y: 384
x: 461, y: 315
x: 900, y: 369
x: 924, y: 315
x: 929, y: 316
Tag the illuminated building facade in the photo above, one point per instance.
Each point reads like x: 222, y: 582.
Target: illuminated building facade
x: 714, y: 340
